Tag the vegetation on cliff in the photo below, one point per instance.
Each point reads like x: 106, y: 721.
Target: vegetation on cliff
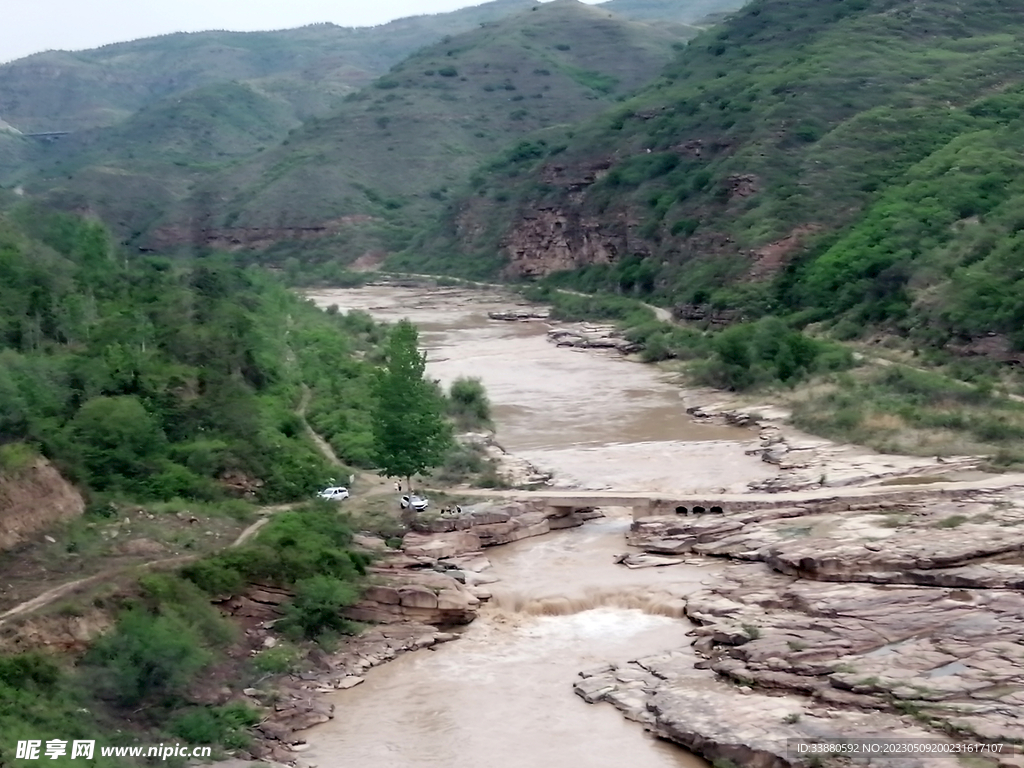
x: 846, y: 162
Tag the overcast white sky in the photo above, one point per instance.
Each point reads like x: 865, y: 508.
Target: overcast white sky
x: 31, y: 26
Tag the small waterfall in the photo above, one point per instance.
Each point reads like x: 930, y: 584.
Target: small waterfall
x: 652, y: 603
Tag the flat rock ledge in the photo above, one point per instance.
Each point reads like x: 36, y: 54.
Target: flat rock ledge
x: 891, y: 620
x: 588, y: 336
x: 486, y: 525
x: 739, y: 726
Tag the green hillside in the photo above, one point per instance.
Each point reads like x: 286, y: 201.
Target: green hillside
x: 143, y: 379
x: 844, y: 160
x: 61, y: 90
x: 390, y: 156
x: 310, y: 67
x: 12, y: 155
x: 167, y: 144
x: 692, y: 12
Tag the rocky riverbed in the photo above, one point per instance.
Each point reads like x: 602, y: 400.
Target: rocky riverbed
x: 874, y: 621
x: 808, y: 462
x: 417, y: 596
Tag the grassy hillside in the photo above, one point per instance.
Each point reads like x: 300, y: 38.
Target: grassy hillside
x: 854, y: 161
x: 133, y: 170
x: 61, y: 90
x: 12, y: 155
x: 391, y: 154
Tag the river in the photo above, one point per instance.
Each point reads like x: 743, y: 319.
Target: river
x: 501, y: 695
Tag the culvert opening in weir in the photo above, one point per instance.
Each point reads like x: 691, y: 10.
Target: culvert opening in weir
x: 651, y: 603
x: 682, y: 511
x: 699, y: 510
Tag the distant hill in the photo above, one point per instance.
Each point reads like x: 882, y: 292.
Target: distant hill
x: 385, y: 160
x: 855, y: 161
x: 401, y: 145
x: 691, y: 12
x: 311, y: 67
x: 61, y: 90
x: 245, y: 139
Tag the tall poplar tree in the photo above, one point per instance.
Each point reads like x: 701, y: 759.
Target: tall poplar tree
x: 410, y: 431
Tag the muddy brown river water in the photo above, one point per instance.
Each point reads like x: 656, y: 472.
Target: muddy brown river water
x: 501, y: 696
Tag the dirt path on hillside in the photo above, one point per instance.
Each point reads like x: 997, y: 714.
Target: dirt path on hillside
x: 63, y: 590
x: 265, y: 513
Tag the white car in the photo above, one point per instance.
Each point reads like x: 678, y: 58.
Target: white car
x: 334, y: 493
x: 418, y: 503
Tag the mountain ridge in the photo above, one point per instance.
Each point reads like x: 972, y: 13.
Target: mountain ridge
x: 387, y: 155
x: 774, y: 167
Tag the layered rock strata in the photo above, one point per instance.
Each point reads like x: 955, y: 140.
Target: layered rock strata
x: 885, y: 622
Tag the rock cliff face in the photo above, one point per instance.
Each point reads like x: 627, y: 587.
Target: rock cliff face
x: 32, y: 499
x: 553, y: 240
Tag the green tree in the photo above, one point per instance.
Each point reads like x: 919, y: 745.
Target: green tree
x: 117, y: 440
x: 411, y: 434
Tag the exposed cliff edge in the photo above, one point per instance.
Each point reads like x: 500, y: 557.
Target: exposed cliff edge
x: 32, y: 498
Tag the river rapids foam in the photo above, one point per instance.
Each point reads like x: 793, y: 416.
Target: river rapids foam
x: 654, y: 604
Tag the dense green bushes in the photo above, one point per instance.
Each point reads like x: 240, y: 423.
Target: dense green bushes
x: 743, y: 356
x: 767, y: 352
x: 340, y: 383
x: 39, y: 700
x: 160, y: 644
x: 308, y: 550
x: 152, y: 379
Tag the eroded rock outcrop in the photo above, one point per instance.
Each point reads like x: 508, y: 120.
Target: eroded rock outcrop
x: 588, y: 336
x: 888, y: 620
x: 437, y: 536
x: 553, y: 240
x: 737, y: 724
x: 32, y: 499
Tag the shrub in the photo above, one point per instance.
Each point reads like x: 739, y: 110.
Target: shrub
x: 282, y: 658
x: 468, y: 404
x: 317, y: 607
x: 146, y: 657
x: 224, y: 725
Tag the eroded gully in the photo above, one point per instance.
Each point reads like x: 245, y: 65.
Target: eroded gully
x: 502, y: 694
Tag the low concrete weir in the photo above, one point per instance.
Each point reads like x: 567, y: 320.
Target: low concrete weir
x: 822, y: 499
